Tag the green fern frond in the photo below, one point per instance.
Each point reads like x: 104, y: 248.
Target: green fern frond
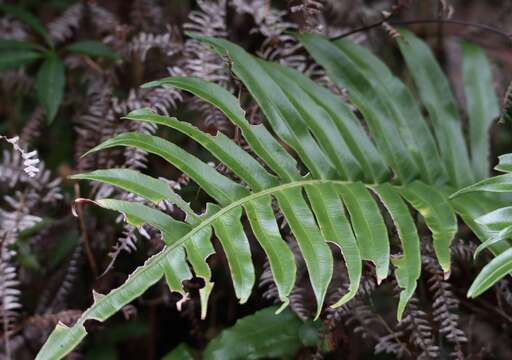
x: 401, y: 163
x: 499, y: 227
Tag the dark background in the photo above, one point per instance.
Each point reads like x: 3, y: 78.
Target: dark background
x: 58, y: 263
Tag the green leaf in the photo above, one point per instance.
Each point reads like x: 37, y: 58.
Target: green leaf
x: 438, y: 214
x: 50, y: 83
x: 325, y: 135
x: 283, y: 117
x: 498, y: 219
x: 199, y: 248
x: 181, y: 352
x: 501, y: 183
x: 494, y: 271
x: 281, y: 259
x: 61, y: 341
x: 261, y: 335
x: 222, y: 147
x: 12, y: 59
x: 502, y: 235
x: 438, y: 98
x: 230, y: 232
x: 319, y: 121
x: 470, y: 207
x: 482, y: 105
x: 216, y: 185
x: 374, y: 166
x: 368, y: 225
x: 345, y: 73
x: 28, y: 19
x: 25, y: 256
x: 335, y: 228
x: 176, y: 271
x: 257, y: 136
x: 408, y: 265
x: 505, y: 163
x: 150, y: 188
x: 138, y: 214
x: 313, y: 247
x: 67, y: 242
x: 402, y: 108
x: 11, y: 44
x: 93, y: 49
x: 175, y: 268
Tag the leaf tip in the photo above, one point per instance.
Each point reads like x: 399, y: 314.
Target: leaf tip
x: 446, y: 274
x: 151, y: 84
x: 283, y: 306
x: 79, y: 202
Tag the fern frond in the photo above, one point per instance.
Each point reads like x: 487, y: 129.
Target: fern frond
x: 329, y: 186
x: 497, y: 227
x: 63, y: 28
x: 445, y: 306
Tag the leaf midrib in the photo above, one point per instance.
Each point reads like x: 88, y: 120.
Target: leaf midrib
x: 208, y: 221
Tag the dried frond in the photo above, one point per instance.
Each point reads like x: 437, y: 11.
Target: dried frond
x: 93, y: 125
x: 12, y: 29
x: 309, y: 11
x: 420, y: 331
x: 13, y: 219
x: 209, y: 20
x: 504, y: 290
x: 160, y: 99
x: 68, y: 281
x: 299, y: 301
x: 47, y: 321
x: 363, y: 319
x: 42, y: 188
x: 390, y: 30
x: 64, y: 27
x: 200, y: 60
x: 342, y: 313
x: 9, y: 283
x: 30, y: 159
x: 446, y: 9
x: 36, y: 188
x: 103, y: 20
x: 32, y: 129
x: 146, y: 15
x: 389, y: 344
x: 16, y: 80
x: 463, y: 251
x: 140, y: 44
x: 445, y: 306
x: 127, y: 242
x: 506, y: 113
x: 279, y: 44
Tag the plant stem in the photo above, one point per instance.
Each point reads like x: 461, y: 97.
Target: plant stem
x: 484, y: 27
x: 85, y: 237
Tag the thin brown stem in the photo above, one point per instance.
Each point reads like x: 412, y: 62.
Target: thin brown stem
x: 78, y: 208
x: 483, y: 27
x: 388, y: 328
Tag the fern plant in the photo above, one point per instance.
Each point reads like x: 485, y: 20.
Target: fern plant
x: 278, y: 336
x: 321, y: 167
x: 499, y: 223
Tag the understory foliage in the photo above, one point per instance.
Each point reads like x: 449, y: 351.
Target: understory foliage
x: 299, y: 171
x: 341, y: 168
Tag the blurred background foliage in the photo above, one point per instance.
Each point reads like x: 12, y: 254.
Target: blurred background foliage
x: 49, y: 260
